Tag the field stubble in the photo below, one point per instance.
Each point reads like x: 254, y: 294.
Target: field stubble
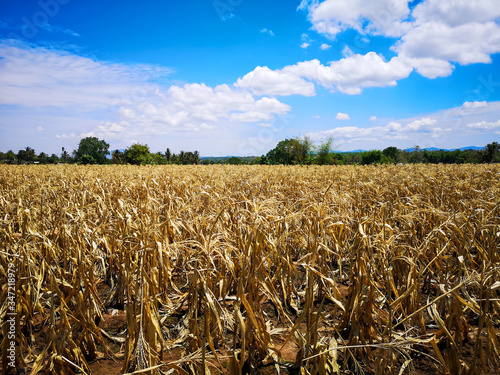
x: 252, y: 269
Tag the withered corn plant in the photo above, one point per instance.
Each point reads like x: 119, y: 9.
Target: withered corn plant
x: 251, y: 269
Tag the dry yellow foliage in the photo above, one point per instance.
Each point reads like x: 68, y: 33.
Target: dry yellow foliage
x: 364, y: 269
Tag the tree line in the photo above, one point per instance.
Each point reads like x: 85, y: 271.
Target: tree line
x: 92, y: 150
x: 302, y: 151
x: 294, y: 151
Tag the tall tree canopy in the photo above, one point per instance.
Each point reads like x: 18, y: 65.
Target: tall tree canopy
x: 138, y: 154
x: 92, y: 150
x: 290, y: 151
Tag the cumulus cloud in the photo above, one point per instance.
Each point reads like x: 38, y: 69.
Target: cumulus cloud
x: 392, y: 131
x: 349, y: 75
x: 451, y: 31
x: 373, y: 118
x: 189, y: 106
x: 330, y: 17
x: 264, y: 81
x: 304, y: 45
x: 425, y: 123
x: 453, y: 127
x: 342, y: 116
x: 325, y: 46
x: 474, y: 105
x: 468, y: 43
x: 484, y: 125
x: 456, y: 12
x: 79, y: 96
x: 433, y: 37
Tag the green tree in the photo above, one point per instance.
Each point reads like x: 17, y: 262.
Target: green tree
x: 117, y: 157
x: 491, y: 151
x: 158, y: 158
x: 168, y: 155
x: 43, y: 158
x: 371, y: 157
x: 138, y: 154
x: 290, y: 151
x: 26, y: 156
x: 324, y: 152
x: 94, y: 147
x: 65, y: 156
x: 10, y: 156
x: 53, y: 159
x: 234, y: 161
x: 87, y: 159
x: 391, y: 153
x: 187, y: 157
x: 417, y: 155
x: 303, y: 150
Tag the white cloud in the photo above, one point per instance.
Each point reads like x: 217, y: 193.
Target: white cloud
x: 264, y: 81
x: 193, y: 104
x: 373, y: 118
x: 457, y: 12
x: 325, y: 46
x: 342, y: 116
x: 265, y: 109
x: 208, y: 127
x: 266, y: 31
x: 306, y: 40
x: 66, y: 136
x: 107, y: 130
x: 40, y: 128
x: 80, y: 97
x: 430, y: 67
x: 265, y: 125
x: 36, y: 76
x: 469, y: 43
x: 330, y: 17
x: 424, y: 123
x: 474, y: 105
x: 127, y: 113
x: 454, y: 127
x: 483, y: 125
x: 436, y: 34
x: 349, y: 75
x: 392, y: 131
x: 444, y: 31
x: 355, y: 72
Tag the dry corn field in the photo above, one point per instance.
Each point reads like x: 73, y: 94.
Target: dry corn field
x: 251, y: 269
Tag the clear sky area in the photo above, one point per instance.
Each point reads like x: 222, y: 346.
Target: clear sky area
x: 234, y: 77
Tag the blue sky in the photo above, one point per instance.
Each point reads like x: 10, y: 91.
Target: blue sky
x: 234, y: 77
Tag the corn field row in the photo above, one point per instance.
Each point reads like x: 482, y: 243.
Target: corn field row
x: 253, y: 269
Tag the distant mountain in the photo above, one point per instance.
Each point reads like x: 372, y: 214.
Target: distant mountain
x: 475, y: 148
x: 350, y: 152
